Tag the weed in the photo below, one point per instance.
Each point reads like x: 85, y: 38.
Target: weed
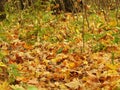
x: 13, y: 72
x: 112, y: 57
x: 98, y: 47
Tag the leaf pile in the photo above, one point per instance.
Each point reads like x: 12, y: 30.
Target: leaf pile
x: 47, y: 55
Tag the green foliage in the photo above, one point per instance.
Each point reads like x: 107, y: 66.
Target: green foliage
x: 2, y: 34
x: 53, y: 39
x: 99, y: 36
x: 88, y: 36
x: 13, y: 72
x: 98, y: 47
x: 116, y: 38
x: 118, y: 27
x: 59, y: 50
x: 77, y: 22
x: 39, y: 29
x: 46, y: 17
x: 1, y: 55
x: 3, y: 37
x: 32, y: 88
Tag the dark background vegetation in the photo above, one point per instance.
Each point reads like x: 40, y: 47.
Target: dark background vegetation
x: 60, y: 6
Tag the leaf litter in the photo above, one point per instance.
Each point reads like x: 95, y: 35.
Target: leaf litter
x: 61, y: 65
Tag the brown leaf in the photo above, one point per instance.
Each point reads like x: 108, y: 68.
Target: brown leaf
x: 33, y: 81
x: 73, y: 84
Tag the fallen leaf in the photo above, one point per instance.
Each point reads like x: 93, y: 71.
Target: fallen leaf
x: 33, y: 81
x: 2, y: 64
x: 73, y: 84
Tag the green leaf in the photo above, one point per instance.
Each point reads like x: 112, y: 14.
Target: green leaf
x: 60, y: 50
x: 98, y: 47
x: 32, y: 88
x: 118, y: 28
x: 88, y: 36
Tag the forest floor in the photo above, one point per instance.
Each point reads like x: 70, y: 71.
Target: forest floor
x: 40, y: 51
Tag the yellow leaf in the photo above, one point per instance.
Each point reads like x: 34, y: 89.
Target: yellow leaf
x: 2, y: 64
x: 112, y: 72
x: 112, y: 23
x: 4, y: 86
x: 54, y: 61
x: 77, y: 31
x: 111, y: 66
x: 85, y: 62
x: 17, y: 87
x: 71, y: 64
x: 63, y: 87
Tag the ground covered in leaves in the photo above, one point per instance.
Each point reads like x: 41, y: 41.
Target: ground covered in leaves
x: 48, y: 52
